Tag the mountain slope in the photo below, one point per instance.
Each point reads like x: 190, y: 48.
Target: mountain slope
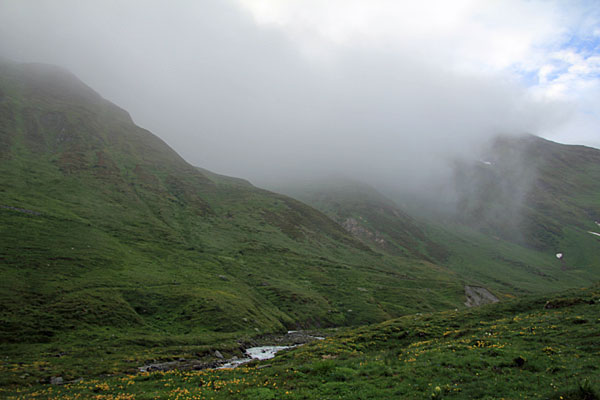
x: 107, y: 230
x: 369, y: 216
x: 526, y: 201
x: 536, y: 193
x: 523, y: 202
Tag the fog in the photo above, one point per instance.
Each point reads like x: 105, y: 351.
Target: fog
x: 263, y: 101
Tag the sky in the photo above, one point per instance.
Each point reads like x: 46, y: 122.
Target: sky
x: 381, y: 90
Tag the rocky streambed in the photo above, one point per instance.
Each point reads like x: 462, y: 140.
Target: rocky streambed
x: 269, y: 346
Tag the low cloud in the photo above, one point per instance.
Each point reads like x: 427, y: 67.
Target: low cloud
x: 259, y: 95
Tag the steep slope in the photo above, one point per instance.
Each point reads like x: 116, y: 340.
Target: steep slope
x: 107, y: 231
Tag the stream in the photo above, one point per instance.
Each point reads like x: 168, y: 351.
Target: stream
x: 255, y: 353
x: 290, y: 340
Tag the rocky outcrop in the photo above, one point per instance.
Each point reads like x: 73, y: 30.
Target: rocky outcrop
x: 357, y: 229
x: 477, y: 296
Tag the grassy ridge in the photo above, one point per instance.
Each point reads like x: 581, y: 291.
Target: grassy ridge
x: 534, y: 348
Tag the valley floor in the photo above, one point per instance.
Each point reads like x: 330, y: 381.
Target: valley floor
x: 543, y: 347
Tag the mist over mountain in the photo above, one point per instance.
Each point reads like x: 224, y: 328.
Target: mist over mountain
x: 267, y: 101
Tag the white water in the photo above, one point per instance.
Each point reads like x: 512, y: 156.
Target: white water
x: 261, y: 353
x: 255, y: 353
x: 265, y: 352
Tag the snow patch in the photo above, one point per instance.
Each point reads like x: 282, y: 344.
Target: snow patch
x: 559, y: 256
x: 594, y: 233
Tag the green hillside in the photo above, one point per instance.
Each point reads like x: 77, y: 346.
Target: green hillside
x: 477, y: 253
x: 107, y: 232
x: 369, y: 216
x: 534, y: 192
x: 529, y: 200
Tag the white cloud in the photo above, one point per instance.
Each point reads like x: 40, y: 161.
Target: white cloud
x: 362, y: 86
x: 525, y: 40
x: 490, y: 34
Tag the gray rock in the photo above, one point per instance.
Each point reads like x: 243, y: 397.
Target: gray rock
x: 477, y: 296
x: 56, y: 380
x: 218, y: 354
